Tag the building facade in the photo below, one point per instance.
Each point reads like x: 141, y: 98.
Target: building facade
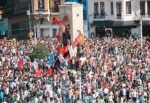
x: 118, y: 17
x: 85, y: 14
x: 44, y: 11
x: 18, y: 22
x: 6, y: 9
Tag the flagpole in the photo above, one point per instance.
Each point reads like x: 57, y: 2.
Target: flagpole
x: 80, y: 96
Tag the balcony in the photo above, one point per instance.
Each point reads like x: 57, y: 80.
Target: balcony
x: 99, y: 16
x: 119, y: 16
x: 41, y: 11
x: 54, y: 10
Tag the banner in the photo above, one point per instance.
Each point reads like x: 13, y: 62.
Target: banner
x: 71, y: 51
x: 61, y: 58
x: 49, y: 71
x: 51, y: 59
x: 20, y: 64
x: 63, y: 28
x: 35, y: 64
x: 38, y: 73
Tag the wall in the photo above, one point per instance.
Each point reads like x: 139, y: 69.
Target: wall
x: 135, y: 30
x: 17, y: 19
x: 135, y: 7
x: 4, y: 27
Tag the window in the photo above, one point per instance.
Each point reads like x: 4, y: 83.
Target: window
x: 41, y: 4
x: 56, y: 5
x: 15, y: 28
x: 142, y: 7
x: 118, y: 4
x: 148, y: 7
x: 102, y: 9
x: 96, y: 7
x: 111, y: 5
x: 128, y: 7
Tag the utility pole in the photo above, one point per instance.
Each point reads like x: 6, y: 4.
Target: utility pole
x: 141, y: 32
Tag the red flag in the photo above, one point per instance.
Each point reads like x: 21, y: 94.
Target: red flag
x: 58, y: 48
x: 66, y: 49
x: 61, y: 50
x: 58, y: 37
x: 68, y: 42
x: 76, y: 42
x: 56, y: 21
x: 81, y: 39
x: 20, y: 64
x: 68, y: 57
x: 49, y: 71
x: 63, y: 28
x: 38, y: 73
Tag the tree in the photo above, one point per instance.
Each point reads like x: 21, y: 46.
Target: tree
x: 40, y: 51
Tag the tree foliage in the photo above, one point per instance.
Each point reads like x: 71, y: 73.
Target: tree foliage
x: 40, y: 51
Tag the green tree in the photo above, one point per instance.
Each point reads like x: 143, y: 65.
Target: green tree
x: 40, y: 51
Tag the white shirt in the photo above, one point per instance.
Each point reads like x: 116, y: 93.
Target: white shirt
x: 134, y: 94
x: 36, y: 100
x: 7, y: 90
x: 124, y: 91
x: 110, y: 98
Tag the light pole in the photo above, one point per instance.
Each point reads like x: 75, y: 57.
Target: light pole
x: 80, y: 95
x: 141, y: 33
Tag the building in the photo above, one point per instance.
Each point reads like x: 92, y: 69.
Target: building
x: 44, y: 11
x: 19, y: 22
x: 118, y: 17
x: 6, y: 9
x: 85, y: 14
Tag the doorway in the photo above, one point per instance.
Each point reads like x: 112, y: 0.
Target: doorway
x: 100, y: 31
x: 54, y: 32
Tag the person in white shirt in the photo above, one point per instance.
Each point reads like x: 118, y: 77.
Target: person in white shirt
x: 36, y: 100
x: 111, y: 98
x: 124, y: 91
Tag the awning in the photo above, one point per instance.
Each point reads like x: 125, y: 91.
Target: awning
x: 108, y: 23
x: 102, y: 23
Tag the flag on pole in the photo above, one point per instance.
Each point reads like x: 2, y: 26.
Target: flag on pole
x: 81, y: 39
x: 56, y: 21
x: 49, y: 71
x: 63, y: 28
x: 38, y: 73
x: 20, y: 64
x: 51, y: 59
x: 61, y: 58
x: 71, y: 51
x: 35, y: 64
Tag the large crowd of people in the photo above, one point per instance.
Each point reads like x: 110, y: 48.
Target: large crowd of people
x: 103, y: 70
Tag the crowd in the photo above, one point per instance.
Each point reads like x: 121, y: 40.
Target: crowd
x: 110, y: 70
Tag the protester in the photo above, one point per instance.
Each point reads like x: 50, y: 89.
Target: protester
x: 113, y: 70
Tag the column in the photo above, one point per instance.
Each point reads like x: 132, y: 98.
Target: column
x: 114, y: 9
x: 146, y: 14
x: 38, y: 30
x: 123, y: 10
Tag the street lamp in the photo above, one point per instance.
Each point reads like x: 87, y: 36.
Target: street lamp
x: 141, y: 27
